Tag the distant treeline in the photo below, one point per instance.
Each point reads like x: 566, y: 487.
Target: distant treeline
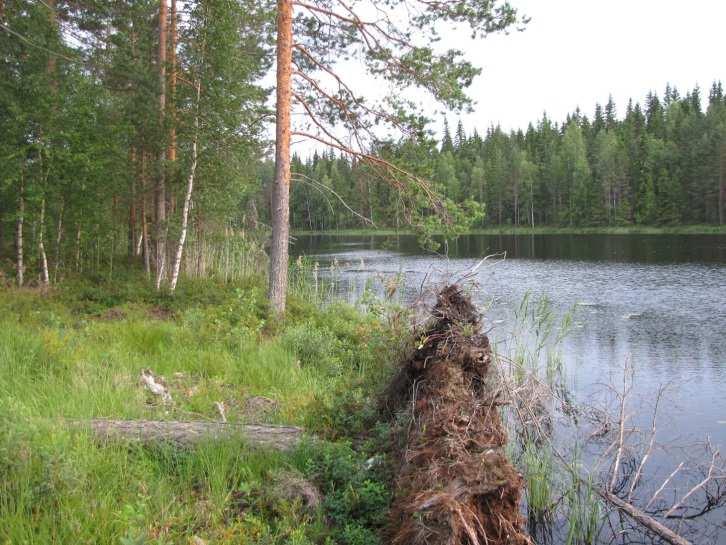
x: 664, y: 163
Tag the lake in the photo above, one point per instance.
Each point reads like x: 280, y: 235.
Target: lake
x: 655, y: 301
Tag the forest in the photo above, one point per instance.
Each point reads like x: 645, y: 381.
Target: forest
x: 663, y: 164
x: 121, y: 136
x: 107, y: 117
x: 187, y: 356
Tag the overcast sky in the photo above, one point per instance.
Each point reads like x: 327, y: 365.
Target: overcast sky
x: 576, y: 52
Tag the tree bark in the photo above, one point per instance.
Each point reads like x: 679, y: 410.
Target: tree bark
x: 144, y: 217
x: 132, y: 207
x: 188, y: 433
x: 279, y: 251
x: 2, y: 230
x: 44, y: 277
x: 161, y: 182
x: 78, y: 247
x: 19, y: 265
x: 58, y: 241
x: 187, y: 197
x: 51, y: 65
x: 171, y: 153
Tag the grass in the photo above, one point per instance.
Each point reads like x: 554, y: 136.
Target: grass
x: 78, y: 352
x: 545, y: 230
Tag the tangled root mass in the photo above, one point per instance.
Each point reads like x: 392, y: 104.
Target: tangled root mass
x: 454, y: 485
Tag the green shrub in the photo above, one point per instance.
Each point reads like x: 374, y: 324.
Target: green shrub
x: 315, y: 347
x: 356, y: 494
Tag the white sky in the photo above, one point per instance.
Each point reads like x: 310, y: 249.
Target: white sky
x: 576, y: 52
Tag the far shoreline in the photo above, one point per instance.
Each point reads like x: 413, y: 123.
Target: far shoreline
x: 544, y: 230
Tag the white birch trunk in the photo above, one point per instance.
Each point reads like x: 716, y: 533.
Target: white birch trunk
x: 20, y: 266
x: 44, y: 277
x: 187, y: 199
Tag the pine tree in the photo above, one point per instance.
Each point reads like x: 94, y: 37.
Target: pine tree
x: 447, y: 144
x: 460, y: 137
x: 610, y: 113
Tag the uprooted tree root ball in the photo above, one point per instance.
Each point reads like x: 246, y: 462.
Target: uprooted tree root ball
x: 455, y: 485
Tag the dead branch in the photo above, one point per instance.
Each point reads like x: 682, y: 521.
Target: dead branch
x: 648, y: 452
x: 696, y: 488
x: 665, y: 483
x: 644, y: 520
x: 623, y: 419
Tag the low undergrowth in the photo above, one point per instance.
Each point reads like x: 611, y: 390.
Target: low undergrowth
x: 78, y: 352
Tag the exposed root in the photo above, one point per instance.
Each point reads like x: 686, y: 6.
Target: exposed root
x: 455, y: 485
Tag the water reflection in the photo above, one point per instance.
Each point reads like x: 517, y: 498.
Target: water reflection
x: 659, y: 302
x: 624, y: 248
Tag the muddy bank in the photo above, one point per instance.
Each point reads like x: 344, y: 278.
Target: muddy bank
x: 454, y: 484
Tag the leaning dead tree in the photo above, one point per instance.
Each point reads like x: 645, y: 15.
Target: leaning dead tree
x: 394, y: 43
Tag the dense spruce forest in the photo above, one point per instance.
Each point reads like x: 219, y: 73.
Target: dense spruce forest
x: 663, y: 163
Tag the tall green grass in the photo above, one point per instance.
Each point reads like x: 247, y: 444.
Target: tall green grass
x: 77, y: 353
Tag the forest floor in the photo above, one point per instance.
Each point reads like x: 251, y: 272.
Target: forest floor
x: 78, y: 353
x: 543, y: 230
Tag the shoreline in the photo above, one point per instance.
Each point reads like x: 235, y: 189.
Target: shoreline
x: 626, y: 230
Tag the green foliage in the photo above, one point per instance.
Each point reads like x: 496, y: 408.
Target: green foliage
x: 356, y: 496
x: 538, y: 473
x: 213, y: 343
x: 654, y: 167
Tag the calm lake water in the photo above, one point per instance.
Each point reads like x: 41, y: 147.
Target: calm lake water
x: 658, y: 301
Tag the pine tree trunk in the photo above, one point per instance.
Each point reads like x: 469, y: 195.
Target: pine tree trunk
x: 133, y: 239
x: 145, y: 239
x: 279, y: 255
x: 144, y: 217
x: 201, y: 263
x: 78, y: 247
x: 171, y: 153
x: 187, y: 198
x: 132, y: 208
x: 19, y: 265
x: 58, y: 241
x: 44, y: 277
x: 161, y: 182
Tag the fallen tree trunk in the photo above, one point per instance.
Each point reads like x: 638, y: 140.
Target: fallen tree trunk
x: 644, y: 520
x: 454, y: 483
x: 189, y: 433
